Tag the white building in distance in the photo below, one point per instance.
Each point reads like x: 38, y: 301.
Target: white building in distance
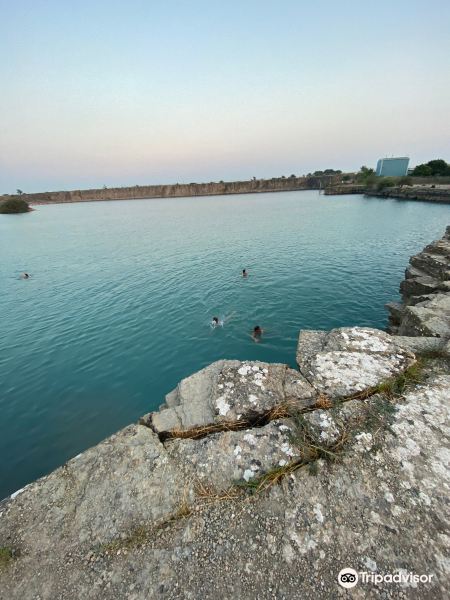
x: 392, y: 167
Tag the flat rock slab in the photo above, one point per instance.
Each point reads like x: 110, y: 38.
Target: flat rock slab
x: 125, y: 481
x: 229, y: 391
x: 348, y: 360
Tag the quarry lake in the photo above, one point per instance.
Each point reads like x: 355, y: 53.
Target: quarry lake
x: 121, y: 294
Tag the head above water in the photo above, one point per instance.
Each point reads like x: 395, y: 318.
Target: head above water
x: 257, y: 330
x: 215, y: 320
x: 244, y: 272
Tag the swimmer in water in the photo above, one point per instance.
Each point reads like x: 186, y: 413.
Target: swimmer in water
x: 244, y: 273
x: 257, y: 333
x: 25, y: 276
x: 220, y: 322
x: 215, y: 322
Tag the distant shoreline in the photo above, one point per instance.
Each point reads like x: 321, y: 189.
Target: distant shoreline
x: 183, y: 190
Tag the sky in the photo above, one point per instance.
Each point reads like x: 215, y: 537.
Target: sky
x: 132, y: 92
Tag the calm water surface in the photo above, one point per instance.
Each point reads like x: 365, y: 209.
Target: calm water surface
x: 121, y: 294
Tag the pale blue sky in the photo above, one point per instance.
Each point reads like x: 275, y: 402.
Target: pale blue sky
x: 131, y: 92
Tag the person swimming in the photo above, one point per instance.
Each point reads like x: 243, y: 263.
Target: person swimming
x: 257, y: 333
x: 220, y: 321
x: 25, y: 276
x: 216, y: 323
x: 244, y: 273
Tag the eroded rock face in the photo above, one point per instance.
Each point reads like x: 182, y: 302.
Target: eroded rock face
x: 255, y: 388
x: 345, y: 361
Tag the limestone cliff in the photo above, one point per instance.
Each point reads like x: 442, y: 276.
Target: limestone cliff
x: 276, y: 184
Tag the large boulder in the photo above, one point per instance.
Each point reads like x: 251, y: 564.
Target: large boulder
x: 420, y: 344
x: 190, y: 404
x: 430, y: 318
x: 348, y: 360
x: 231, y: 391
x: 219, y: 460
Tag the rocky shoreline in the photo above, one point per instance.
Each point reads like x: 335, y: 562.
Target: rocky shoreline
x: 424, y: 194
x: 439, y: 194
x: 425, y: 307
x: 255, y: 480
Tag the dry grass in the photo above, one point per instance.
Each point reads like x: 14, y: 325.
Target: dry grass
x: 197, y: 433
x: 280, y: 411
x: 271, y: 478
x: 208, y: 493
x: 323, y: 402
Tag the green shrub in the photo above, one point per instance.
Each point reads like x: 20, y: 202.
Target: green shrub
x: 6, y: 555
x: 385, y: 183
x: 13, y: 206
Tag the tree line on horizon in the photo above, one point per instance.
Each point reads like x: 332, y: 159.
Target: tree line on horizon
x: 433, y: 168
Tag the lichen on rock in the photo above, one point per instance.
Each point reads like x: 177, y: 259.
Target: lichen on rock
x: 349, y: 360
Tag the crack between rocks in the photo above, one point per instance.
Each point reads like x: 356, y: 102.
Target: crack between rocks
x: 283, y: 410
x: 308, y: 380
x: 251, y: 421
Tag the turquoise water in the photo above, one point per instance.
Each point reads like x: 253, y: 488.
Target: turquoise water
x: 121, y: 294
